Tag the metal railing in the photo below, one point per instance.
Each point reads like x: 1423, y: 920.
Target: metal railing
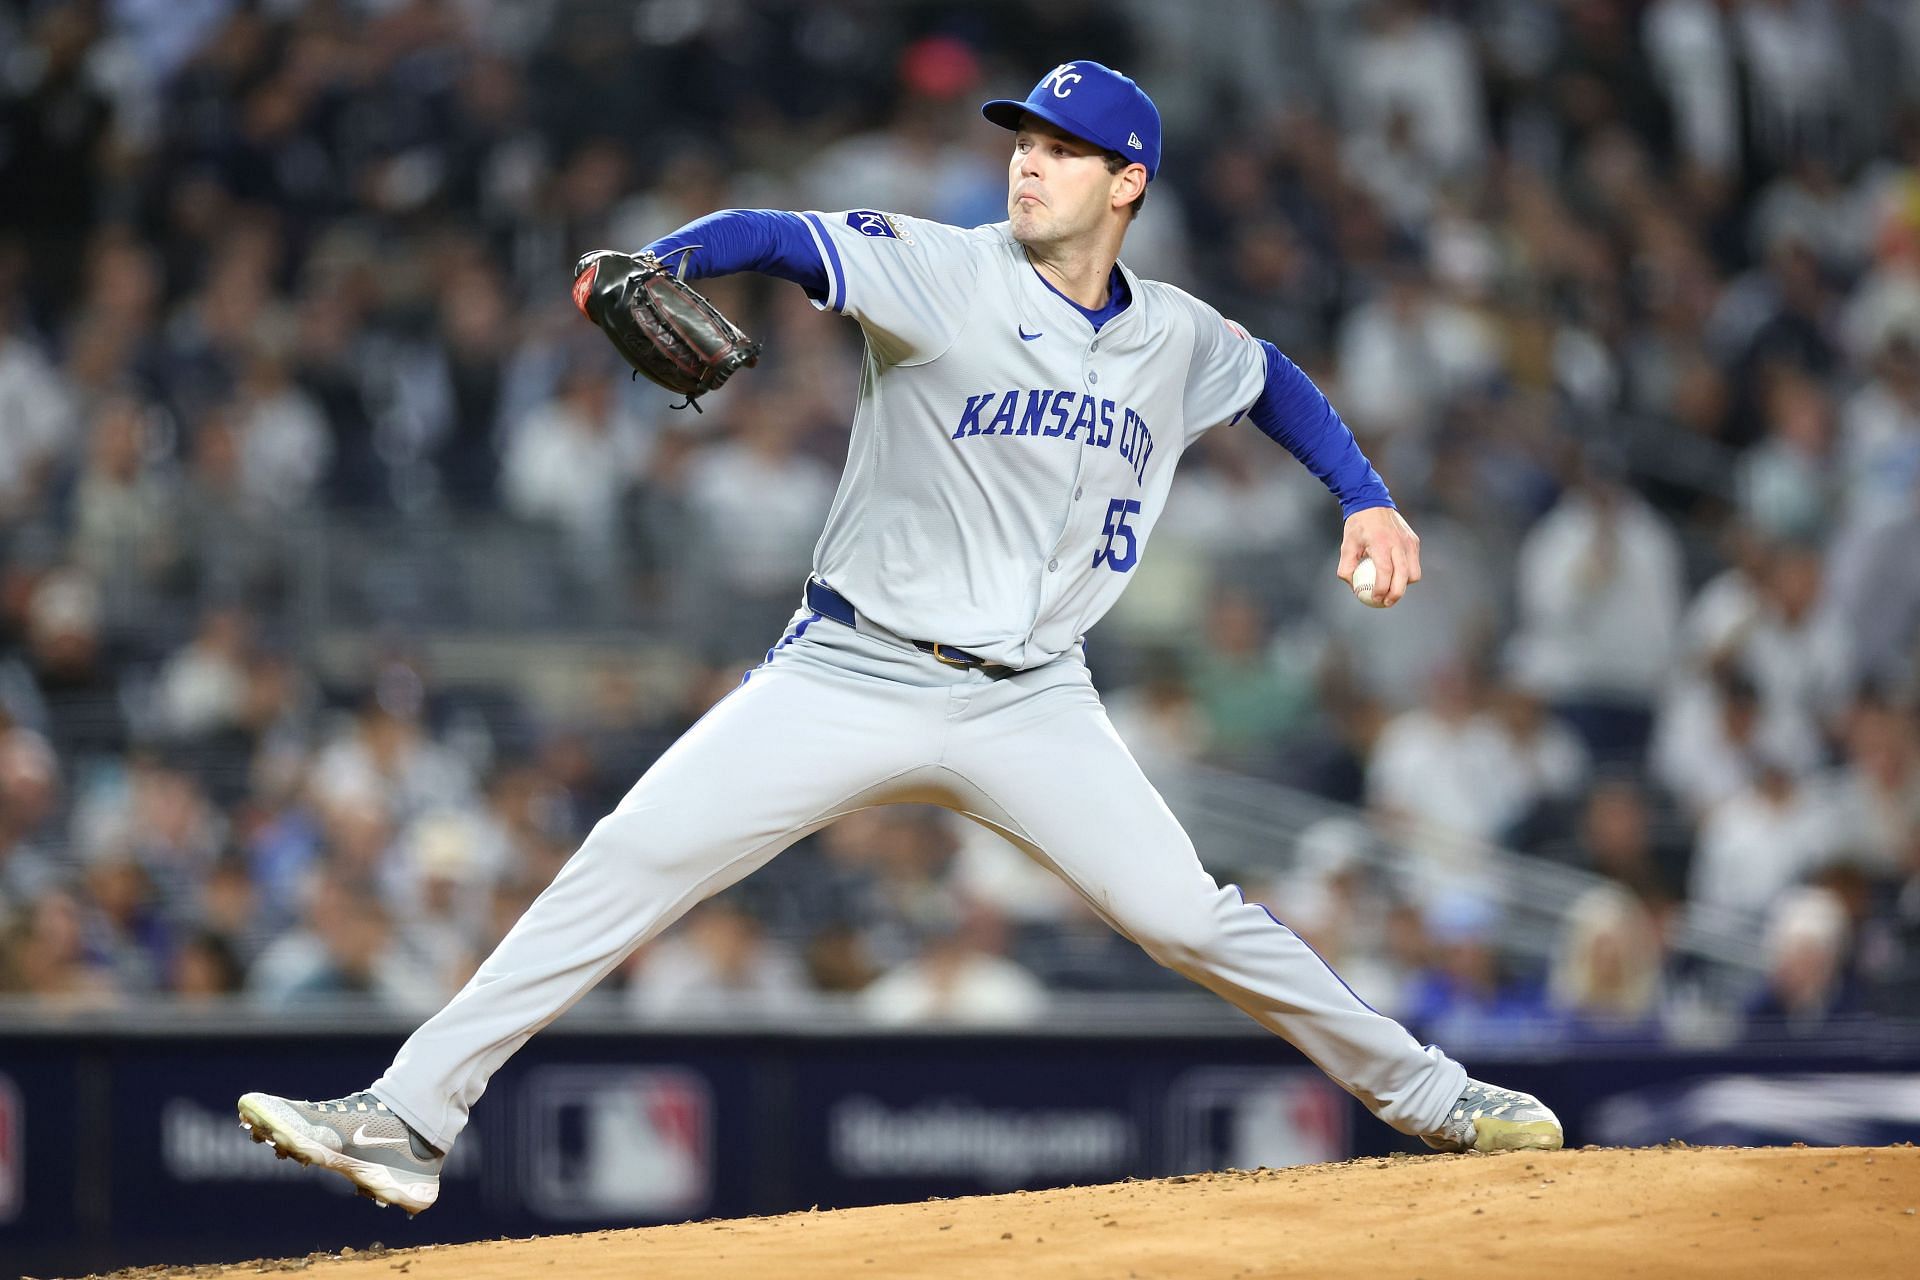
x: 1250, y: 823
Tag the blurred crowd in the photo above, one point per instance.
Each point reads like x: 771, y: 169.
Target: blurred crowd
x: 1623, y: 297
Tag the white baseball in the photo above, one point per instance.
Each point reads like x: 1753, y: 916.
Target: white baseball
x: 1364, y: 576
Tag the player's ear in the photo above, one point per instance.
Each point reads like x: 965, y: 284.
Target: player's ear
x: 1128, y: 184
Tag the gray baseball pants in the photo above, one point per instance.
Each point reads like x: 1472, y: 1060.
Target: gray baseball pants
x: 840, y: 719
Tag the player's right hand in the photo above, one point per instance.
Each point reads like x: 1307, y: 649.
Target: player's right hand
x: 1382, y: 534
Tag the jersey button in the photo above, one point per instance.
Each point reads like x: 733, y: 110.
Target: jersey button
x: 1076, y: 493
x: 1092, y: 378
x: 1094, y: 347
x: 1052, y: 565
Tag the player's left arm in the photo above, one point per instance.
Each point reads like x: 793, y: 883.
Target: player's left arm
x: 908, y: 282
x: 767, y: 241
x: 1292, y: 410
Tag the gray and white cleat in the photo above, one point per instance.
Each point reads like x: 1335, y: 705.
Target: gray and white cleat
x: 1489, y: 1118
x: 356, y: 1137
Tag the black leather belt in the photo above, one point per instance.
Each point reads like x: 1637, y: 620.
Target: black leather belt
x: 828, y: 603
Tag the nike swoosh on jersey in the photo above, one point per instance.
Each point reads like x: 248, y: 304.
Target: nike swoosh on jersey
x: 1028, y: 337
x: 361, y: 1138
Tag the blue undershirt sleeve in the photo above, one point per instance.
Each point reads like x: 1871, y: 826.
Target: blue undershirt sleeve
x: 1293, y: 411
x: 763, y: 240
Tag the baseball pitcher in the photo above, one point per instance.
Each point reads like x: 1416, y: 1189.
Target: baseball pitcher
x: 1023, y: 402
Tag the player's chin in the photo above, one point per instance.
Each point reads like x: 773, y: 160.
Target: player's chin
x: 1025, y: 226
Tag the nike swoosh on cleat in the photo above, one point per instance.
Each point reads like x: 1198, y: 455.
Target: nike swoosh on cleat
x: 1028, y: 337
x: 361, y: 1138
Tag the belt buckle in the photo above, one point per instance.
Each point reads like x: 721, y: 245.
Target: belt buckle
x: 939, y: 652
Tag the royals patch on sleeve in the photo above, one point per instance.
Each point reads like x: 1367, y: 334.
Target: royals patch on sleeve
x: 870, y: 222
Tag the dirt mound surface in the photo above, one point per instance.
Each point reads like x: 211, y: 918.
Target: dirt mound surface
x: 1693, y: 1211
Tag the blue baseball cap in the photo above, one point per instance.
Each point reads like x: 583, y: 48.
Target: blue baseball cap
x: 1093, y: 102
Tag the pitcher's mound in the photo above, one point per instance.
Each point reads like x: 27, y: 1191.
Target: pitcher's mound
x: 1664, y: 1211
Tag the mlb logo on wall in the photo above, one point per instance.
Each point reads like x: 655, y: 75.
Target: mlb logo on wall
x: 1254, y: 1118
x: 13, y: 1151
x: 881, y: 226
x: 617, y: 1143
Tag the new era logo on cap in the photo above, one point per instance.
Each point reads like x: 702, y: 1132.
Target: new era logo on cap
x: 1093, y: 102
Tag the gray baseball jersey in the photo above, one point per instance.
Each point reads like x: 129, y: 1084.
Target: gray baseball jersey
x: 1008, y: 461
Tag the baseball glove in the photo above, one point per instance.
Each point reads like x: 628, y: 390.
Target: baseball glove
x: 659, y: 324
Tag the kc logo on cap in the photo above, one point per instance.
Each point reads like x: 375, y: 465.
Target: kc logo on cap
x: 1062, y: 79
x: 1093, y: 102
